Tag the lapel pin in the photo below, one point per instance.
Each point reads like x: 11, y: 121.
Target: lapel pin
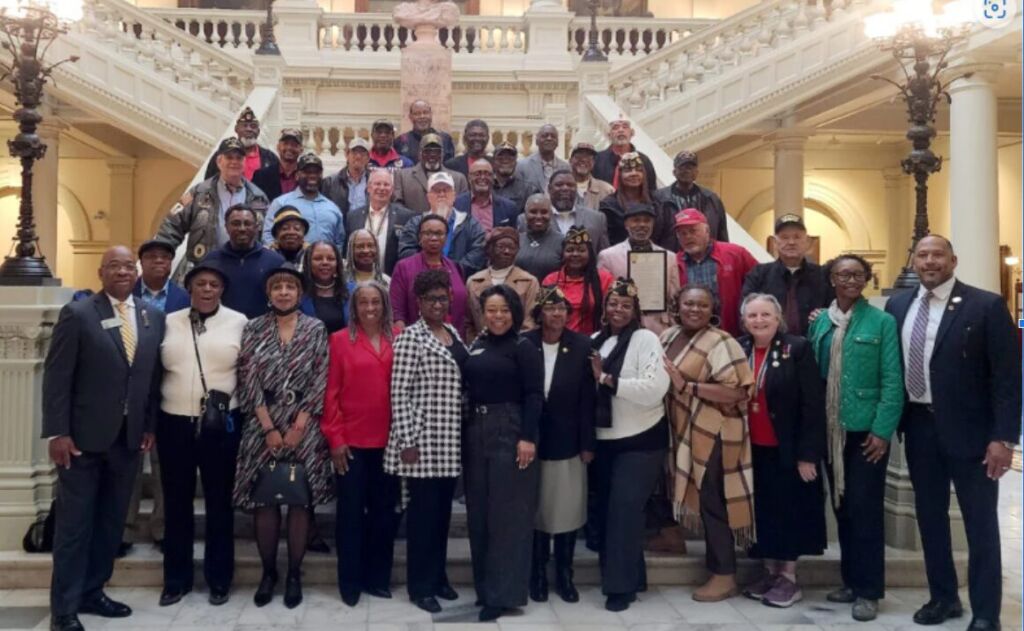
x: 145, y: 318
x: 956, y: 299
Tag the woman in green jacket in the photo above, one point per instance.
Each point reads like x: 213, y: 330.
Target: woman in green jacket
x: 858, y: 349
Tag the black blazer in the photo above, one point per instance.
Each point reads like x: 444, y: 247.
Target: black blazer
x: 975, y: 370
x: 397, y: 216
x: 459, y: 163
x: 796, y: 398
x: 268, y: 180
x: 89, y: 389
x: 567, y: 421
x: 812, y: 288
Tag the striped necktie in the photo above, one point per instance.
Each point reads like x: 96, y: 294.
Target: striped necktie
x: 915, y: 353
x: 127, y: 332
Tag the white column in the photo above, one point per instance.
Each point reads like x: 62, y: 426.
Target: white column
x: 27, y: 315
x: 973, y: 176
x: 44, y: 192
x: 789, y: 170
x: 897, y: 205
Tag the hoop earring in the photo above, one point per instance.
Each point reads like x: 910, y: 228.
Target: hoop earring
x: 715, y: 321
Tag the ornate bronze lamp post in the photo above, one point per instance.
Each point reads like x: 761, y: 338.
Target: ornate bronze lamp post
x: 268, y: 43
x: 593, y: 52
x: 920, y: 41
x: 28, y: 30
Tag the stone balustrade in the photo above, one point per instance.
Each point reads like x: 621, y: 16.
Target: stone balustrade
x: 619, y: 37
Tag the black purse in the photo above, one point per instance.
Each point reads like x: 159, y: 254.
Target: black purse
x: 214, y: 405
x: 281, y: 482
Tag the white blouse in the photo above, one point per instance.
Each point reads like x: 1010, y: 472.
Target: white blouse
x: 181, y: 388
x: 638, y: 403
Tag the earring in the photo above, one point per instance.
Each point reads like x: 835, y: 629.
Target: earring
x: 715, y: 321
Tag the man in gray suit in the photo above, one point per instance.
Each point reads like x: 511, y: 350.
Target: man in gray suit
x: 411, y: 182
x: 383, y: 218
x: 537, y: 168
x: 100, y: 394
x: 570, y: 211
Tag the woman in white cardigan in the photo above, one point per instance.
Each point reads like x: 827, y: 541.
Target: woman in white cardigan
x: 632, y: 436
x: 212, y: 332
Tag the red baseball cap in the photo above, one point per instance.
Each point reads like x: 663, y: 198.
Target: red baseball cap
x: 690, y: 217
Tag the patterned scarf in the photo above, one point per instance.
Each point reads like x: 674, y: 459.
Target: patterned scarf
x: 711, y: 356
x: 833, y: 395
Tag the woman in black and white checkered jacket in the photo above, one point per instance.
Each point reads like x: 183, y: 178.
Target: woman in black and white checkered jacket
x: 424, y: 446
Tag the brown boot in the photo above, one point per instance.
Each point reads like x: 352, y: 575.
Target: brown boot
x: 669, y: 540
x: 719, y: 587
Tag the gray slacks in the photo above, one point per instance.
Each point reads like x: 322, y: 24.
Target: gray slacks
x: 501, y: 501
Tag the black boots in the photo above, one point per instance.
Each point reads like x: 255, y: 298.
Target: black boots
x: 539, y: 566
x: 565, y: 546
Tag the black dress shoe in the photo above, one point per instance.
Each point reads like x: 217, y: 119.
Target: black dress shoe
x: 980, y: 624
x: 428, y: 604
x: 379, y: 592
x: 104, y: 607
x: 490, y: 614
x: 447, y: 593
x: 293, y: 589
x: 350, y: 598
x: 618, y: 602
x: 218, y: 596
x: 66, y: 623
x: 938, y: 611
x: 123, y: 549
x: 171, y: 595
x: 265, y: 592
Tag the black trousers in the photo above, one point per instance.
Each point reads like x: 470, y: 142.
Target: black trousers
x: 720, y: 545
x: 366, y: 523
x: 625, y: 481
x: 860, y: 520
x: 92, y: 502
x: 428, y: 516
x: 931, y: 470
x: 181, y: 453
x: 501, y: 503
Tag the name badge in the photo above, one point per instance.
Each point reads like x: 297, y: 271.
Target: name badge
x: 110, y: 323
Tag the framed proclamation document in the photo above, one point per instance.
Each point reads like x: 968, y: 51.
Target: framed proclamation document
x: 647, y: 270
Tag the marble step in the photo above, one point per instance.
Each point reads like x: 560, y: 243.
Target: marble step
x: 143, y: 567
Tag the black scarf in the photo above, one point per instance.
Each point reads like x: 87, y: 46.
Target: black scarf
x: 612, y: 365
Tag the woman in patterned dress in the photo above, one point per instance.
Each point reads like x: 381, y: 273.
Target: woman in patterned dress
x: 282, y: 372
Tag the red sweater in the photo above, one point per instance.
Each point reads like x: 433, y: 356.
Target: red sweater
x: 357, y: 406
x: 733, y: 264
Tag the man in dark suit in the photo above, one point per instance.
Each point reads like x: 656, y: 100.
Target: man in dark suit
x: 480, y: 202
x: 100, y: 393
x: 962, y: 375
x: 475, y: 138
x: 383, y: 218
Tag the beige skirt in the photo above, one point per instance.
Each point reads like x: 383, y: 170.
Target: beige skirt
x: 563, y: 495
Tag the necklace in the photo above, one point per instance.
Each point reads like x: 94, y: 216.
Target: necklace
x: 322, y: 286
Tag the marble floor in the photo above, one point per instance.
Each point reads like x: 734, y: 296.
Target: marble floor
x: 661, y: 609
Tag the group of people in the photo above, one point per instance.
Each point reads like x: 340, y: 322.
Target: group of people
x: 371, y: 337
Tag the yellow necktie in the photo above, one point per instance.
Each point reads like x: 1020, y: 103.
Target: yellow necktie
x: 127, y: 331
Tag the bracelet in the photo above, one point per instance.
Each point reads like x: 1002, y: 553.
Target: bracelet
x: 266, y: 432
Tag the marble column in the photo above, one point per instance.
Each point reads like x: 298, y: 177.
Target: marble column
x: 27, y: 316
x: 897, y: 205
x: 789, y: 144
x: 973, y: 176
x: 44, y: 191
x: 122, y: 201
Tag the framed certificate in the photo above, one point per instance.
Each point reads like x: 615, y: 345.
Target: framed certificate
x: 647, y: 270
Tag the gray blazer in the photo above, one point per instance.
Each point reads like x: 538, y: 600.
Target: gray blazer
x: 411, y: 187
x: 398, y: 215
x: 531, y: 169
x: 89, y: 388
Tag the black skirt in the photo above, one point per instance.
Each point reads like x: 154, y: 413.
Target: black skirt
x: 789, y: 514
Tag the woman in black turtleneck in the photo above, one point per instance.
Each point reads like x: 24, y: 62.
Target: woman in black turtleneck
x: 505, y: 380
x: 214, y: 333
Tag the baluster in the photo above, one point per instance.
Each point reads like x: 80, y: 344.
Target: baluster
x: 318, y: 140
x: 675, y: 75
x: 333, y: 137
x: 463, y: 41
x: 636, y: 97
x: 520, y: 40
x: 816, y: 13
x: 801, y: 20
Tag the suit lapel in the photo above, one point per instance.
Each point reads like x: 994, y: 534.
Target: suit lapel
x: 901, y: 304
x: 955, y: 305
x: 420, y: 175
x: 106, y: 312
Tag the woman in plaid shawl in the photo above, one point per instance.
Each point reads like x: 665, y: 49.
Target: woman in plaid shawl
x: 713, y: 481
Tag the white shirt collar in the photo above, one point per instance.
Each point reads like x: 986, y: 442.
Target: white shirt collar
x: 130, y: 301
x: 941, y: 292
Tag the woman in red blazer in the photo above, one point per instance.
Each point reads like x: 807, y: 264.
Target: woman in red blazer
x: 356, y: 422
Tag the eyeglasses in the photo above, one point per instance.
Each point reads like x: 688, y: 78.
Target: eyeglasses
x: 435, y: 299
x: 846, y: 277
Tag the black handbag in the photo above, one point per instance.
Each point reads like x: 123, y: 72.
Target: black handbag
x: 214, y: 405
x: 281, y: 482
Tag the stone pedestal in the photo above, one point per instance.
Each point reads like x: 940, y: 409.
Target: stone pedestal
x: 546, y: 25
x: 27, y: 316
x: 427, y: 74
x: 297, y: 30
x: 973, y: 176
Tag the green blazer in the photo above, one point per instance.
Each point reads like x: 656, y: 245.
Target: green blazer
x: 871, y: 390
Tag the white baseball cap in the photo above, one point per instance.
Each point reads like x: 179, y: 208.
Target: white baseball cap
x: 440, y: 178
